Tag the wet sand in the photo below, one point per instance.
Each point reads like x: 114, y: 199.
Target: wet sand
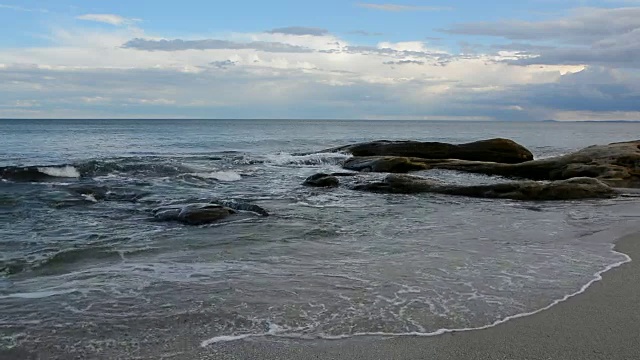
x: 601, y: 323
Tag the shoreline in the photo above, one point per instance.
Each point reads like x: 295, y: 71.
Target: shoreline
x: 601, y: 321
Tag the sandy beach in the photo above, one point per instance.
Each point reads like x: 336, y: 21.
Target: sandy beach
x: 601, y: 323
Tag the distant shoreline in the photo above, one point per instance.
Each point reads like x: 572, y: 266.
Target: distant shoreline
x: 343, y: 120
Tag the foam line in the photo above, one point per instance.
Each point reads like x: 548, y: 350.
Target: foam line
x: 597, y: 277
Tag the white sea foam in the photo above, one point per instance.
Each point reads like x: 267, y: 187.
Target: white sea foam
x: 38, y: 294
x: 89, y: 197
x: 597, y: 277
x: 63, y: 172
x: 311, y: 159
x: 226, y: 176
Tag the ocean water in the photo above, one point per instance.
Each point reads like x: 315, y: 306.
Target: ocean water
x: 87, y: 274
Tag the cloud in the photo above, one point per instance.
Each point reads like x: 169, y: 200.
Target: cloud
x: 212, y: 44
x: 404, y: 62
x: 299, y: 31
x: 397, y: 8
x: 20, y: 8
x: 582, y: 26
x: 589, y: 36
x: 223, y: 64
x: 88, y: 72
x: 111, y: 19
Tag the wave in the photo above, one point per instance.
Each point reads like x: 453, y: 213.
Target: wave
x: 38, y: 173
x: 136, y: 166
x: 226, y: 176
x: 281, y: 332
x: 57, y: 261
x: 309, y: 159
x: 62, y: 172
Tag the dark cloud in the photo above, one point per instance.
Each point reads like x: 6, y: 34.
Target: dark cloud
x: 583, y: 26
x: 299, y: 31
x: 590, y: 36
x: 404, y: 62
x: 223, y: 64
x: 594, y: 89
x: 211, y: 44
x: 621, y: 51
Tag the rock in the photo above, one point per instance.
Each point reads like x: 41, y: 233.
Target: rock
x: 344, y: 174
x: 493, y: 150
x: 240, y: 206
x: 96, y: 193
x: 617, y: 165
x: 387, y: 164
x: 193, y: 214
x: 571, y: 189
x: 322, y: 180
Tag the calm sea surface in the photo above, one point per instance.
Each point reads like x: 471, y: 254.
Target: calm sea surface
x: 326, y: 264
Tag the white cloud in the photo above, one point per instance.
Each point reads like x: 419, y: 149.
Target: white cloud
x: 111, y: 19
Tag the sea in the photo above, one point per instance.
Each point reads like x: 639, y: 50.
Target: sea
x: 81, y: 274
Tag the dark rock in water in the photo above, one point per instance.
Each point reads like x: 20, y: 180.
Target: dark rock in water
x: 193, y: 214
x: 385, y: 164
x: 617, y: 165
x: 401, y: 184
x: 37, y: 173
x: 493, y: 150
x: 240, y: 206
x: 103, y: 193
x: 344, y: 174
x: 322, y: 180
x: 205, y: 213
x: 571, y: 189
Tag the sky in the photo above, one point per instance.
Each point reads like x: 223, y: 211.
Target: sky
x: 565, y: 60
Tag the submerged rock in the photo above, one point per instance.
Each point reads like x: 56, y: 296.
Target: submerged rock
x: 385, y: 164
x: 571, y: 189
x: 193, y: 214
x: 492, y: 150
x: 96, y: 193
x: 241, y: 206
x: 322, y: 180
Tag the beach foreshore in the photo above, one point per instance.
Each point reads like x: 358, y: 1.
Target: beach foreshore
x: 601, y: 323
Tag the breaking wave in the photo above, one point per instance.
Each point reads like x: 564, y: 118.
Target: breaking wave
x: 310, y: 159
x: 38, y: 173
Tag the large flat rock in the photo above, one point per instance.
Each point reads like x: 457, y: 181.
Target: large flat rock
x: 616, y: 164
x: 572, y: 189
x: 493, y: 150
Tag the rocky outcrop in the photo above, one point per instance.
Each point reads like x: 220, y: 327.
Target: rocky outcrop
x: 617, y: 165
x: 493, y: 150
x: 385, y: 164
x: 193, y: 214
x: 322, y: 180
x: 576, y: 188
